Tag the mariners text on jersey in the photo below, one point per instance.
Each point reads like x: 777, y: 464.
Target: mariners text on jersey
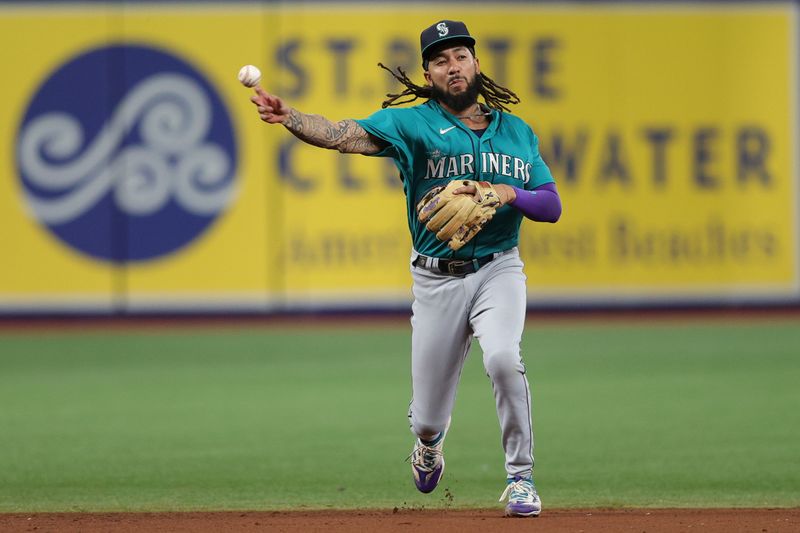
x: 460, y: 165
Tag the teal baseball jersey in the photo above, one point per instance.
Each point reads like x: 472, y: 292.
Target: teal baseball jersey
x: 431, y: 147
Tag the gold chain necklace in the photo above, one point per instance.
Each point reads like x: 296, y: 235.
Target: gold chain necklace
x: 483, y: 113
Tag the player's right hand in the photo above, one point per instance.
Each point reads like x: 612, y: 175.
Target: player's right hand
x: 271, y: 109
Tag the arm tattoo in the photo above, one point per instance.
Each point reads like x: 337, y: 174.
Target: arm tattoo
x: 346, y: 136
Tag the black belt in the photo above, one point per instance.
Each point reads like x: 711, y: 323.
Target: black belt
x: 453, y: 267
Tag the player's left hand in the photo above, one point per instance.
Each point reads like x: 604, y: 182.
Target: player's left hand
x: 457, y: 218
x: 505, y: 193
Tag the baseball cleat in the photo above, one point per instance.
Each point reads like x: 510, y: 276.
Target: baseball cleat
x: 522, y: 497
x: 427, y: 464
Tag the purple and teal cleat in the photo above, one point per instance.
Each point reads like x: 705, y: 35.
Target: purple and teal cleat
x: 522, y: 497
x: 427, y: 464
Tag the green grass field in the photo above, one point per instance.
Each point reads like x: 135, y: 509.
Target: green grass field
x: 686, y: 414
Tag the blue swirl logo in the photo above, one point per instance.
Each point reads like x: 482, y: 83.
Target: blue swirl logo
x: 127, y: 153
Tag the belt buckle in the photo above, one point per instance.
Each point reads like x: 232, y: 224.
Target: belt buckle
x: 451, y: 266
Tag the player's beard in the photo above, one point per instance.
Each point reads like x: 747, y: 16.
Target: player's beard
x: 461, y: 101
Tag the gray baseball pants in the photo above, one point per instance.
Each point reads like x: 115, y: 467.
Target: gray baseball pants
x: 447, y: 312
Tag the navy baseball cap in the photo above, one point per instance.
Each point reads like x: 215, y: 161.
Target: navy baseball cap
x: 442, y: 32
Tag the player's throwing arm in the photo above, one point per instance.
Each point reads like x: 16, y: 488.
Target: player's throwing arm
x: 346, y: 135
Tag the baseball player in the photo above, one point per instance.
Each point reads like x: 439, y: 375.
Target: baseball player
x: 471, y: 171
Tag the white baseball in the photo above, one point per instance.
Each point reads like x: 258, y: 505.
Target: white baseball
x: 249, y: 75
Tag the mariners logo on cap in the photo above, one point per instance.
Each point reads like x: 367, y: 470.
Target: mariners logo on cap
x: 126, y: 153
x: 444, y: 31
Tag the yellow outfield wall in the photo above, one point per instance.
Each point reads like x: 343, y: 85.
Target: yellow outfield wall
x: 135, y: 174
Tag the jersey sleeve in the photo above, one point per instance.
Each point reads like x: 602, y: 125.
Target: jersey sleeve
x: 539, y: 172
x: 385, y: 125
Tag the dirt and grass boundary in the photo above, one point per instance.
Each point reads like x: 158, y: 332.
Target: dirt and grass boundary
x: 440, y: 521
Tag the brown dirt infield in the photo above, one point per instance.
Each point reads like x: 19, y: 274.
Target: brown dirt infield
x: 414, y: 521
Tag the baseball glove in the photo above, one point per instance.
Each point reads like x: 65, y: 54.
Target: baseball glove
x: 457, y: 218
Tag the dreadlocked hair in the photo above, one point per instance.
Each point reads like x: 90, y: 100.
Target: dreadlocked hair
x: 496, y: 96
